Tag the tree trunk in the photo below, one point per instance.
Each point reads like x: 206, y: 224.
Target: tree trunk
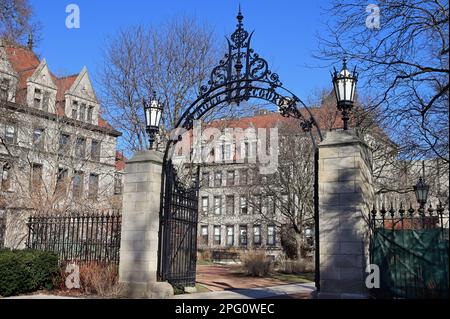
x: 299, y: 240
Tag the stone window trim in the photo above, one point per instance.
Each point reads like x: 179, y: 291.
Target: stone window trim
x: 205, y: 205
x: 218, y: 179
x: 230, y: 235
x: 36, y: 181
x: 95, y: 150
x: 231, y: 177
x: 243, y: 235
x: 5, y: 177
x: 64, y: 142
x: 218, y: 205
x: 77, y: 184
x: 271, y: 235
x: 257, y: 239
x: 80, y: 147
x: 93, y: 186
x: 10, y: 133
x: 204, y: 234
x: 217, y: 235
x: 229, y: 203
x: 38, y: 137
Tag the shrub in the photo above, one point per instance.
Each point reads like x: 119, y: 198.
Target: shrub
x: 256, y: 263
x: 99, y: 279
x: 298, y: 266
x: 24, y: 271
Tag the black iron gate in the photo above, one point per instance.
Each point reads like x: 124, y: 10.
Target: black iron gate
x: 240, y: 76
x: 178, y: 228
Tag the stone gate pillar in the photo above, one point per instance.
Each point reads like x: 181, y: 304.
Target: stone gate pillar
x: 345, y: 198
x: 140, y: 226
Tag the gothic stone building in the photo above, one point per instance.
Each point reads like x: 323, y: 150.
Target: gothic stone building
x: 57, y: 154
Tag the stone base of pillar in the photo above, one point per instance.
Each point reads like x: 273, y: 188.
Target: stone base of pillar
x: 152, y: 290
x: 330, y: 295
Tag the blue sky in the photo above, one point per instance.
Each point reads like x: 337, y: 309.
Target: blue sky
x: 285, y: 32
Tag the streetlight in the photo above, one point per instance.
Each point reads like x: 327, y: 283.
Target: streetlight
x: 421, y: 189
x: 153, y: 112
x: 344, y: 84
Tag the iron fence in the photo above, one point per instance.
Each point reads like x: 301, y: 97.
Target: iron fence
x: 77, y: 237
x: 411, y: 248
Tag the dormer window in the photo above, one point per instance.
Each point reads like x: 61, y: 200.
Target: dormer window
x: 82, y: 112
x: 46, y: 101
x: 4, y: 89
x: 90, y: 113
x: 74, y: 109
x: 37, y: 98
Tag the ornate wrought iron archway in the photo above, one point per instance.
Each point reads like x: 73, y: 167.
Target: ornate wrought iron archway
x: 241, y: 75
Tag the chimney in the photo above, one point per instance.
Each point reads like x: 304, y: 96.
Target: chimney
x: 30, y: 42
x: 261, y: 112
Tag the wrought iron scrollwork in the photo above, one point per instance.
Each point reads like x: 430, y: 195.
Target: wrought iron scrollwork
x: 288, y: 108
x: 241, y: 63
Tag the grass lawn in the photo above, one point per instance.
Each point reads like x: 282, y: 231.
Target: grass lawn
x: 294, y: 278
x: 204, y: 262
x: 201, y: 288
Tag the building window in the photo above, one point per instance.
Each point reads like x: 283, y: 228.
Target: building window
x: 205, y: 205
x: 93, y: 186
x: 36, y: 178
x: 95, y: 150
x: 74, y: 109
x: 271, y: 235
x: 217, y: 235
x: 10, y: 133
x: 61, y: 181
x: 217, y: 205
x: 230, y: 235
x: 243, y: 235
x: 230, y: 204
x: 46, y: 101
x: 244, y: 208
x: 82, y: 113
x: 4, y: 90
x: 218, y: 179
x: 90, y: 114
x: 37, y: 98
x: 230, y: 178
x: 228, y: 156
x: 117, y: 184
x: 257, y: 209
x: 38, y: 138
x: 5, y: 175
x: 257, y: 235
x: 204, y: 235
x: 78, y: 180
x: 205, y: 179
x: 271, y: 206
x: 243, y: 178
x: 80, y: 147
x: 64, y: 143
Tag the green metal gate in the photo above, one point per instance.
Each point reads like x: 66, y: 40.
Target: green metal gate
x: 411, y: 249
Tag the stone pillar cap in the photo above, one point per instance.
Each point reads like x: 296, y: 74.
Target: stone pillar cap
x: 147, y: 156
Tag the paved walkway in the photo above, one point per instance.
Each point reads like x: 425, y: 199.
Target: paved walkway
x: 289, y: 291
x: 225, y: 277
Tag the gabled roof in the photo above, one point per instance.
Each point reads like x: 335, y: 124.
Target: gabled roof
x: 25, y: 62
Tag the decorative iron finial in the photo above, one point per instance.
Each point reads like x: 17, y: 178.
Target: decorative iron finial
x: 344, y: 63
x: 240, y: 17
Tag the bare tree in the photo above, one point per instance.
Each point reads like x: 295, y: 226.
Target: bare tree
x: 172, y: 59
x: 403, y: 62
x: 17, y: 21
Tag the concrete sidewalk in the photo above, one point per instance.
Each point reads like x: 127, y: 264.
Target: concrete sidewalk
x: 280, y: 291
